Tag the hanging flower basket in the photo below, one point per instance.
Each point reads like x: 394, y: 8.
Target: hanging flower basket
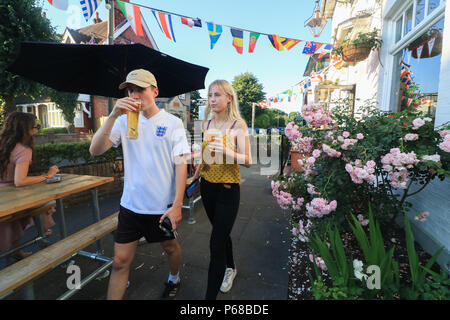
x: 437, y: 46
x: 356, y: 52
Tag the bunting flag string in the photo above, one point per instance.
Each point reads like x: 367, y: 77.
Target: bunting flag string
x: 164, y: 20
x: 89, y: 7
x: 133, y: 15
x: 215, y: 31
x: 238, y: 40
x: 252, y: 42
x: 165, y: 23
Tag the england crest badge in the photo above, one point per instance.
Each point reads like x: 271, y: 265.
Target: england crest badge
x: 160, y: 131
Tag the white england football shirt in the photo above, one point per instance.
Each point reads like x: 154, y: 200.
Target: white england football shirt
x: 149, y: 177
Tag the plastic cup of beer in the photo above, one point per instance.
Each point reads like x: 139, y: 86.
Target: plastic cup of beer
x: 133, y: 122
x: 210, y: 138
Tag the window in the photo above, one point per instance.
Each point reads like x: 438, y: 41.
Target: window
x: 420, y: 11
x: 433, y: 4
x: 420, y: 68
x: 414, y: 13
x: 409, y: 20
x: 398, y: 29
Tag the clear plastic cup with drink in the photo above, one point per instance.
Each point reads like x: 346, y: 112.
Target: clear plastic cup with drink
x: 133, y: 122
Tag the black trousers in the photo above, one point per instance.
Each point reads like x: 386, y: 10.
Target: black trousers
x: 221, y: 204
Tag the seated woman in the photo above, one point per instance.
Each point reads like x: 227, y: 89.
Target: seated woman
x: 16, y: 155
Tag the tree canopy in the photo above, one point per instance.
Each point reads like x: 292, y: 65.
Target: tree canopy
x: 248, y: 90
x: 21, y: 20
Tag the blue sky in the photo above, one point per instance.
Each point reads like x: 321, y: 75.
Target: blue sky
x: 277, y: 71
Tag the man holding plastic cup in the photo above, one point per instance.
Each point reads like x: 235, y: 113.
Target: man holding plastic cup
x: 155, y: 176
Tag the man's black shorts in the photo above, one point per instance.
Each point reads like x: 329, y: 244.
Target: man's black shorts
x: 133, y: 226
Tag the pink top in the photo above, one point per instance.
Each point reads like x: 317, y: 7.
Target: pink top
x: 19, y: 154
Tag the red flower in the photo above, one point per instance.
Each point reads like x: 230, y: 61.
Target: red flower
x: 405, y: 124
x: 391, y: 116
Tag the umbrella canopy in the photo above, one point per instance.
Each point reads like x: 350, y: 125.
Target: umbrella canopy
x: 99, y: 69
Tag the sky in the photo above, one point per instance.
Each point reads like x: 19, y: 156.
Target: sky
x: 276, y: 71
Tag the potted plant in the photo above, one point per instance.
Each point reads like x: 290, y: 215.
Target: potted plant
x: 424, y: 40
x: 359, y: 48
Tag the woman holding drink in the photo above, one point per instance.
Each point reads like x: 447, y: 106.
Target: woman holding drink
x: 226, y: 146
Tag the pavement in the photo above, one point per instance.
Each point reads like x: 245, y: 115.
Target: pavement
x: 260, y: 243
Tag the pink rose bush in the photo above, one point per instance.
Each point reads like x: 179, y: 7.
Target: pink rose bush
x: 315, y: 115
x: 354, y: 161
x: 319, y: 207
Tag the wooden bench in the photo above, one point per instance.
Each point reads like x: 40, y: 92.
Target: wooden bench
x: 28, y: 269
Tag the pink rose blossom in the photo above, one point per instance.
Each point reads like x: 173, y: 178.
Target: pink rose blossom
x: 360, y: 136
x: 411, y: 137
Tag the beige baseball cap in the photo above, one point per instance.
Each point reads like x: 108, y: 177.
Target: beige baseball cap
x: 141, y: 78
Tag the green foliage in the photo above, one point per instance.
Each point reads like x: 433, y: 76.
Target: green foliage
x: 54, y: 130
x: 21, y: 20
x: 372, y: 39
x: 67, y: 102
x: 195, y: 102
x: 70, y: 154
x: 249, y: 90
x: 340, y: 268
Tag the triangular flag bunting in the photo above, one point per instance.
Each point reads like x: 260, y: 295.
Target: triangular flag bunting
x: 419, y: 51
x: 431, y: 45
x: 191, y: 22
x: 289, y: 43
x: 252, y: 42
x: 325, y: 50
x: 165, y: 24
x: 275, y: 40
x: 89, y: 7
x: 133, y: 15
x: 215, y: 31
x: 60, y: 4
x: 238, y: 39
x: 311, y: 47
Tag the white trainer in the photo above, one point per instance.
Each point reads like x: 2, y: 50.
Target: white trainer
x: 227, y: 283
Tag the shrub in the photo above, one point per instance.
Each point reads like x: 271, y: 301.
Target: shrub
x: 379, y: 157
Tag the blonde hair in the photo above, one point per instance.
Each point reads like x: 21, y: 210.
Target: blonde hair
x: 233, y: 106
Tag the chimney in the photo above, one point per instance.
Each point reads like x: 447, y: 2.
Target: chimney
x: 97, y: 18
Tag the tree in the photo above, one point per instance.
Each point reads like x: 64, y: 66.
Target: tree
x: 262, y: 121
x: 248, y: 90
x: 67, y: 102
x: 195, y: 102
x: 21, y: 20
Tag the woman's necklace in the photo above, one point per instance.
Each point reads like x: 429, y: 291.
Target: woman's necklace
x: 221, y: 126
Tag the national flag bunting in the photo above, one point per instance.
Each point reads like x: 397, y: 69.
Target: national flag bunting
x: 238, y: 39
x: 191, y: 22
x: 252, y: 42
x: 165, y: 23
x: 325, y: 50
x: 289, y: 43
x: 311, y: 47
x: 215, y: 31
x: 133, y: 15
x: 275, y: 40
x: 89, y: 7
x: 60, y: 4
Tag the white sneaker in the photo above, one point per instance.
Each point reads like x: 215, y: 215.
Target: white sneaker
x: 227, y: 283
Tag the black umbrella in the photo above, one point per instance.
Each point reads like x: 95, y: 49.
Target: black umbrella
x: 99, y: 69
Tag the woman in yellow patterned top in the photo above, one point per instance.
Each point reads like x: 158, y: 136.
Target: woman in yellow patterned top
x: 226, y: 146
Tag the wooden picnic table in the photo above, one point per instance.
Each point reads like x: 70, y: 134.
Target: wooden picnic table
x: 13, y: 199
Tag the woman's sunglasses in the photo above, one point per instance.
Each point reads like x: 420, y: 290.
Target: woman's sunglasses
x: 38, y: 126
